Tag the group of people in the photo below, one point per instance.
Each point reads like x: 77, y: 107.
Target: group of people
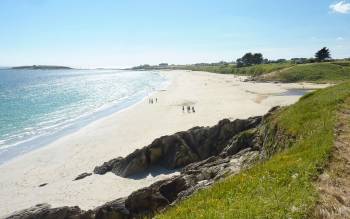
x: 152, y: 101
x: 189, y: 109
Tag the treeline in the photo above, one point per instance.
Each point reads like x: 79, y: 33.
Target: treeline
x: 249, y: 64
x: 250, y: 59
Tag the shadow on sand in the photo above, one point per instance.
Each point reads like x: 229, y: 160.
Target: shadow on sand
x: 154, y: 172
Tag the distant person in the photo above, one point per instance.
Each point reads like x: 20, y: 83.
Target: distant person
x: 156, y: 100
x: 188, y: 109
x: 183, y: 109
x: 193, y: 109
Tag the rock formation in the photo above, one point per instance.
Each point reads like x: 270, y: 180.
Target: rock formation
x: 205, y: 154
x: 44, y: 211
x: 180, y: 149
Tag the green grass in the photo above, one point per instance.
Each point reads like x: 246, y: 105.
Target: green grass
x: 232, y: 69
x: 256, y: 70
x: 223, y: 69
x: 316, y: 72
x: 285, y: 72
x: 281, y: 187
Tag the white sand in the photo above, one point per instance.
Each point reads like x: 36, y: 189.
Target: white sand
x: 214, y: 96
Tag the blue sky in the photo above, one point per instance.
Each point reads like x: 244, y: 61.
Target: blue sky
x: 112, y: 33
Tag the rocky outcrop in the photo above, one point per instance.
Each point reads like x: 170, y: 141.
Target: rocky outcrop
x: 43, y: 211
x: 180, y: 149
x: 111, y: 210
x: 206, y: 155
x: 150, y: 200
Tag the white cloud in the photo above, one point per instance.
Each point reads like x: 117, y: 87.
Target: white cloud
x: 341, y: 7
x: 340, y: 38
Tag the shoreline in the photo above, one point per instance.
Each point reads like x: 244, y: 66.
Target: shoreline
x: 215, y: 97
x: 19, y: 149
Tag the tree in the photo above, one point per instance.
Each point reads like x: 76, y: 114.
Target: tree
x: 323, y: 54
x: 250, y: 59
x: 257, y: 59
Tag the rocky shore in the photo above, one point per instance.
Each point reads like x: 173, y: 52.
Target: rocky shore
x: 204, y: 155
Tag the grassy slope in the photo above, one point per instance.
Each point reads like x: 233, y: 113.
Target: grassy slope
x: 256, y: 70
x: 285, y: 72
x: 232, y: 69
x: 317, y: 72
x: 281, y: 187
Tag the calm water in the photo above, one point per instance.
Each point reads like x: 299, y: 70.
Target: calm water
x: 38, y: 106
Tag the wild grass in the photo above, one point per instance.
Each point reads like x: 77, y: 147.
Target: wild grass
x: 281, y: 187
x: 315, y: 72
x: 232, y: 69
x: 256, y: 70
x: 286, y: 71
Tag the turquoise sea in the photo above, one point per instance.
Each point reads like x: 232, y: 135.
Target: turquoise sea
x: 39, y: 106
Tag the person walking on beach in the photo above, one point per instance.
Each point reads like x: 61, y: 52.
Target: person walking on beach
x: 193, y: 109
x: 183, y: 109
x: 156, y: 100
x: 188, y: 109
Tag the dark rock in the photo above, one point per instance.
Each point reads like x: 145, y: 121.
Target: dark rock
x: 43, y: 211
x: 107, y: 166
x: 172, y: 188
x: 30, y: 212
x: 82, y: 176
x: 42, y: 185
x: 113, y: 210
x: 145, y: 201
x: 245, y: 139
x: 179, y: 149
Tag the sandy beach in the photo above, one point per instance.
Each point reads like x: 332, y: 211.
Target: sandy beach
x: 214, y: 96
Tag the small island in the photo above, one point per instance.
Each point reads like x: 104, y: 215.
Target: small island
x: 42, y: 67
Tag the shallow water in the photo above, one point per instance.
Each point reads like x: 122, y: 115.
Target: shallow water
x: 294, y: 92
x: 39, y: 106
